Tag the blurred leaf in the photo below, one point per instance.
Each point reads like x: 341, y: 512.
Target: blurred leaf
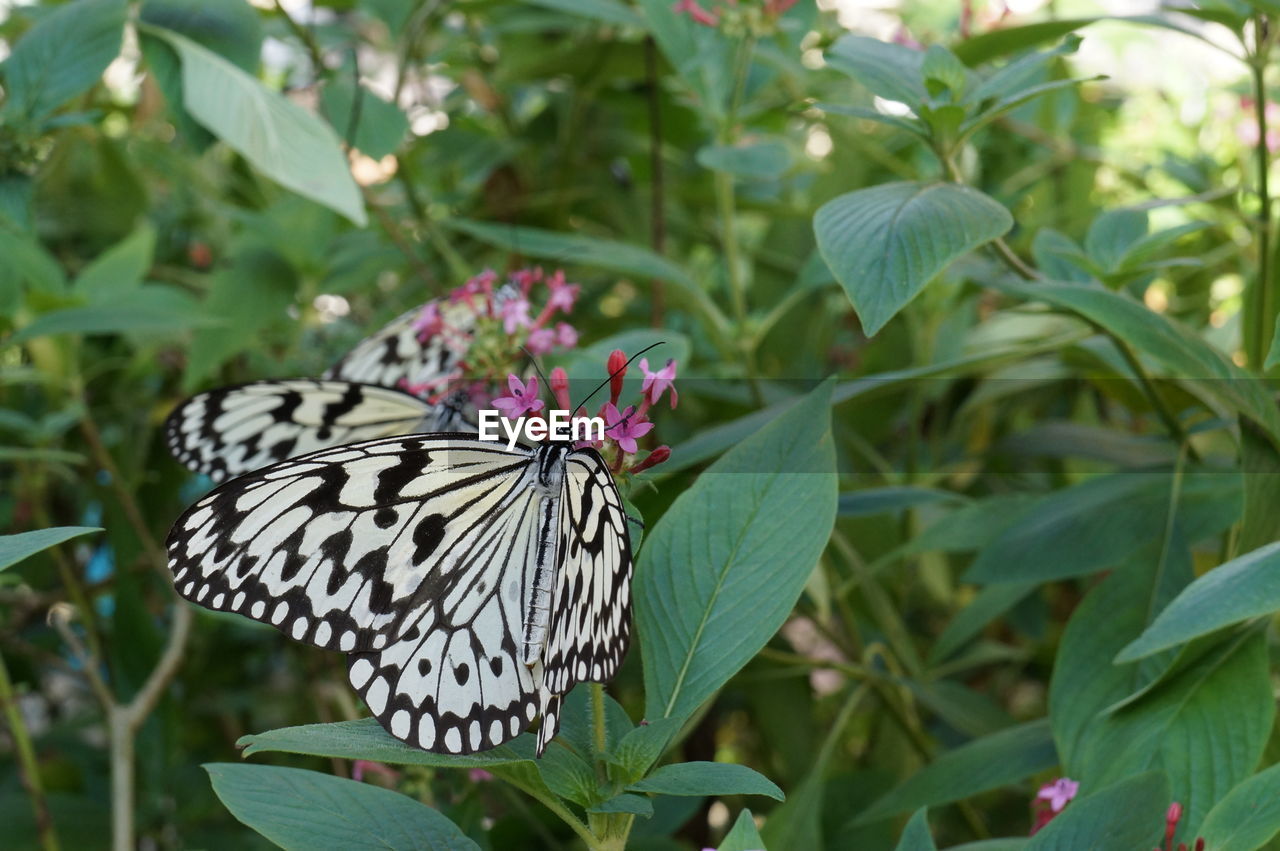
x: 1120, y: 607
x: 1248, y: 817
x: 27, y: 264
x: 743, y: 539
x: 910, y: 125
x: 1246, y: 587
x: 891, y: 71
x: 15, y: 548
x: 149, y: 308
x: 762, y: 160
x: 379, y: 126
x: 702, y: 56
x: 1178, y: 726
x: 1015, y: 76
x: 1005, y: 40
x: 1001, y: 759
x: 1122, y: 817
x: 299, y: 809
x: 916, y: 836
x: 1100, y: 522
x: 608, y: 11
x: 1201, y: 368
x: 61, y: 56
x: 1112, y: 233
x: 1260, y: 461
x: 990, y: 603
x: 707, y: 778
x: 1061, y: 258
x: 281, y: 139
x: 119, y: 269
x: 625, y: 803
x: 230, y: 28
x: 892, y: 499
x: 885, y: 243
x: 743, y: 836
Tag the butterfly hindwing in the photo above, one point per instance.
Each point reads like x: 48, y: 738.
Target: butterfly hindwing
x: 396, y: 353
x: 233, y: 430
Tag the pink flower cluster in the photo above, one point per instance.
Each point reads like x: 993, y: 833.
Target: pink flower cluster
x: 1056, y: 795
x: 711, y: 17
x: 623, y: 427
x: 490, y: 327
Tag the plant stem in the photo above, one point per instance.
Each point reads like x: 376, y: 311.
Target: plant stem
x: 1176, y: 431
x: 28, y: 765
x: 657, y: 203
x: 1262, y: 307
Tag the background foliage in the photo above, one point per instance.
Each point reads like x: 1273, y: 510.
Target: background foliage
x: 1023, y: 530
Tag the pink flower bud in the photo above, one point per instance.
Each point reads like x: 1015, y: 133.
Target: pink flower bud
x: 656, y: 457
x: 560, y: 387
x: 617, y: 367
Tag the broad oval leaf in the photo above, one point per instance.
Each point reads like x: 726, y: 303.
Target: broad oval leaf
x: 1248, y: 817
x: 993, y: 761
x: 885, y: 243
x: 295, y: 808
x: 15, y: 548
x: 892, y: 71
x: 707, y: 778
x: 1245, y: 587
x: 1121, y: 817
x: 281, y: 139
x: 719, y: 573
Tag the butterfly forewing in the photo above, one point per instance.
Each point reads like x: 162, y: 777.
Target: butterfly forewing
x: 397, y: 354
x: 233, y: 430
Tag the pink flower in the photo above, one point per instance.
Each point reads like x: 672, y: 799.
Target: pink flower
x: 481, y: 284
x: 696, y: 12
x: 522, y: 398
x: 657, y: 383
x: 479, y: 775
x: 560, y: 387
x: 541, y: 341
x: 656, y: 457
x: 515, y: 314
x: 1058, y: 793
x: 429, y: 322
x: 624, y: 427
x: 526, y: 278
x: 563, y: 295
x: 566, y: 335
x: 617, y: 366
x: 360, y: 766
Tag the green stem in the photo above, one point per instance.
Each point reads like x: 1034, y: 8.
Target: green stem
x: 1166, y: 416
x: 1262, y: 306
x: 29, y: 766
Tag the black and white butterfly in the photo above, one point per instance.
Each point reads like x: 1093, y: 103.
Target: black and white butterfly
x: 470, y: 585
x: 232, y: 430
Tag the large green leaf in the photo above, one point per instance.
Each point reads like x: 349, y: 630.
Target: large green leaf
x: 1099, y: 523
x: 885, y: 243
x: 231, y: 28
x: 373, y: 125
x: 720, y: 572
x: 298, y: 809
x: 1083, y: 686
x: 1205, y: 726
x: 151, y: 308
x: 889, y: 70
x: 15, y: 548
x: 1001, y: 759
x: 1200, y: 367
x: 281, y: 139
x: 1123, y: 817
x: 1245, y: 587
x: 61, y: 56
x: 1248, y: 817
x: 707, y: 778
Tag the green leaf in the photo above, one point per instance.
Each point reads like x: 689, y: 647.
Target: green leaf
x: 15, y: 548
x: 302, y: 809
x: 1017, y: 75
x: 1216, y: 711
x: 1006, y: 40
x: 230, y: 28
x: 943, y: 72
x: 281, y: 139
x: 891, y: 71
x: 885, y: 243
x: 743, y: 836
x: 1248, y: 817
x: 641, y: 747
x: 1203, y: 369
x: 990, y: 603
x: 625, y: 803
x: 1102, y: 521
x: 911, y: 125
x: 61, y: 56
x: 1245, y: 587
x: 120, y: 268
x: 379, y: 126
x: 761, y: 160
x: 892, y: 499
x: 1261, y: 464
x: 568, y: 776
x: 721, y: 571
x: 151, y: 308
x: 1001, y: 759
x: 1112, y: 233
x: 916, y: 836
x: 1083, y: 686
x: 607, y: 11
x: 707, y: 778
x: 1122, y: 817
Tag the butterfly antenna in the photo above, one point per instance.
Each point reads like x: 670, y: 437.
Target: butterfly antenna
x: 545, y: 382
x: 616, y: 372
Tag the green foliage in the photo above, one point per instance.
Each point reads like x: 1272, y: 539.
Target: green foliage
x: 15, y: 548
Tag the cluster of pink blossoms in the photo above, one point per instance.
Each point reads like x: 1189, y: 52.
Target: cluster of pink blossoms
x: 623, y: 427
x: 749, y: 15
x: 490, y: 327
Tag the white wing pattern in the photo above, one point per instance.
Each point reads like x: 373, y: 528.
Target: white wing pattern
x: 395, y: 354
x: 419, y: 556
x: 232, y: 430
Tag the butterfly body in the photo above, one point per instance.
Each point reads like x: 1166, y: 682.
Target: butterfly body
x: 471, y: 585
